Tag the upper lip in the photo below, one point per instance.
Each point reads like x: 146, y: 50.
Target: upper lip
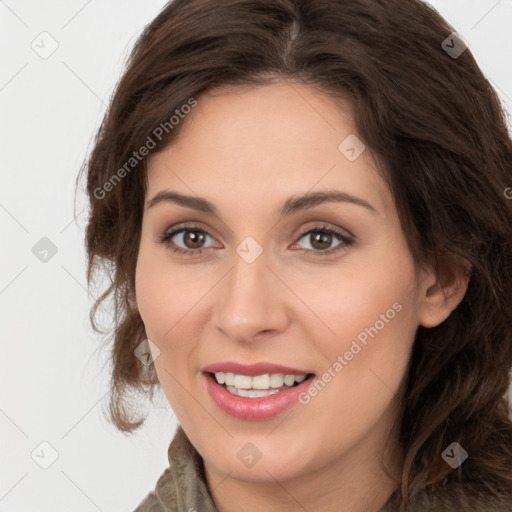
x: 261, y: 368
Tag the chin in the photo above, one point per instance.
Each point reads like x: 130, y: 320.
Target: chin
x: 260, y: 461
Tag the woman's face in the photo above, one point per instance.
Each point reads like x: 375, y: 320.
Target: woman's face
x: 264, y: 292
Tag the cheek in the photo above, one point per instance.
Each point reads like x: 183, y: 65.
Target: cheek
x: 371, y: 315
x: 169, y: 299
x: 374, y: 294
x: 163, y: 300
x: 366, y: 359
x: 162, y: 295
x: 156, y: 303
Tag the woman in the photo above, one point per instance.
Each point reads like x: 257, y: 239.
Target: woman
x: 304, y: 208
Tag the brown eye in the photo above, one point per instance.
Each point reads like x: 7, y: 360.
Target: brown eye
x: 193, y: 239
x: 186, y: 239
x: 321, y: 239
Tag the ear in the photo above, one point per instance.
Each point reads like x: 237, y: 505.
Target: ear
x: 442, y: 291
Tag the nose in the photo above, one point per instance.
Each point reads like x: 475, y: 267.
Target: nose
x: 252, y: 302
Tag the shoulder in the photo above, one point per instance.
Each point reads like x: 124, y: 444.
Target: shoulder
x: 162, y: 499
x: 150, y: 504
x: 182, y: 486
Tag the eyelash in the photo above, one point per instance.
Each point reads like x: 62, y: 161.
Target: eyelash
x: 347, y: 241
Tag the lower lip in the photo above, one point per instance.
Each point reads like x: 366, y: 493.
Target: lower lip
x: 261, y: 408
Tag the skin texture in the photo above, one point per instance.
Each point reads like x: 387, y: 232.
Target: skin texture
x: 247, y: 151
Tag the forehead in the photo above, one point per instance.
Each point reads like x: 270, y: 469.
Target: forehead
x: 284, y: 136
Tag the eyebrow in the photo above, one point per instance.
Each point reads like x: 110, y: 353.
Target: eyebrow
x: 291, y: 205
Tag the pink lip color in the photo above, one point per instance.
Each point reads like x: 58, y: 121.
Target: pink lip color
x: 253, y: 408
x: 253, y: 369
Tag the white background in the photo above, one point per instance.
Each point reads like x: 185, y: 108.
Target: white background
x: 53, y: 385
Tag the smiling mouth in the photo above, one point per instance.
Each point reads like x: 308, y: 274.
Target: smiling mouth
x: 257, y: 386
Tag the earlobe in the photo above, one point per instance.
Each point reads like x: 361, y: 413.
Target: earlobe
x: 439, y: 299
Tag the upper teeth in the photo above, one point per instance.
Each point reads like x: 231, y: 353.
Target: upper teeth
x: 275, y: 380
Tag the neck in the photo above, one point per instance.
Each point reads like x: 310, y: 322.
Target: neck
x: 355, y: 482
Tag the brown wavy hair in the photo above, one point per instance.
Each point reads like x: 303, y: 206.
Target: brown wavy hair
x: 439, y: 131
